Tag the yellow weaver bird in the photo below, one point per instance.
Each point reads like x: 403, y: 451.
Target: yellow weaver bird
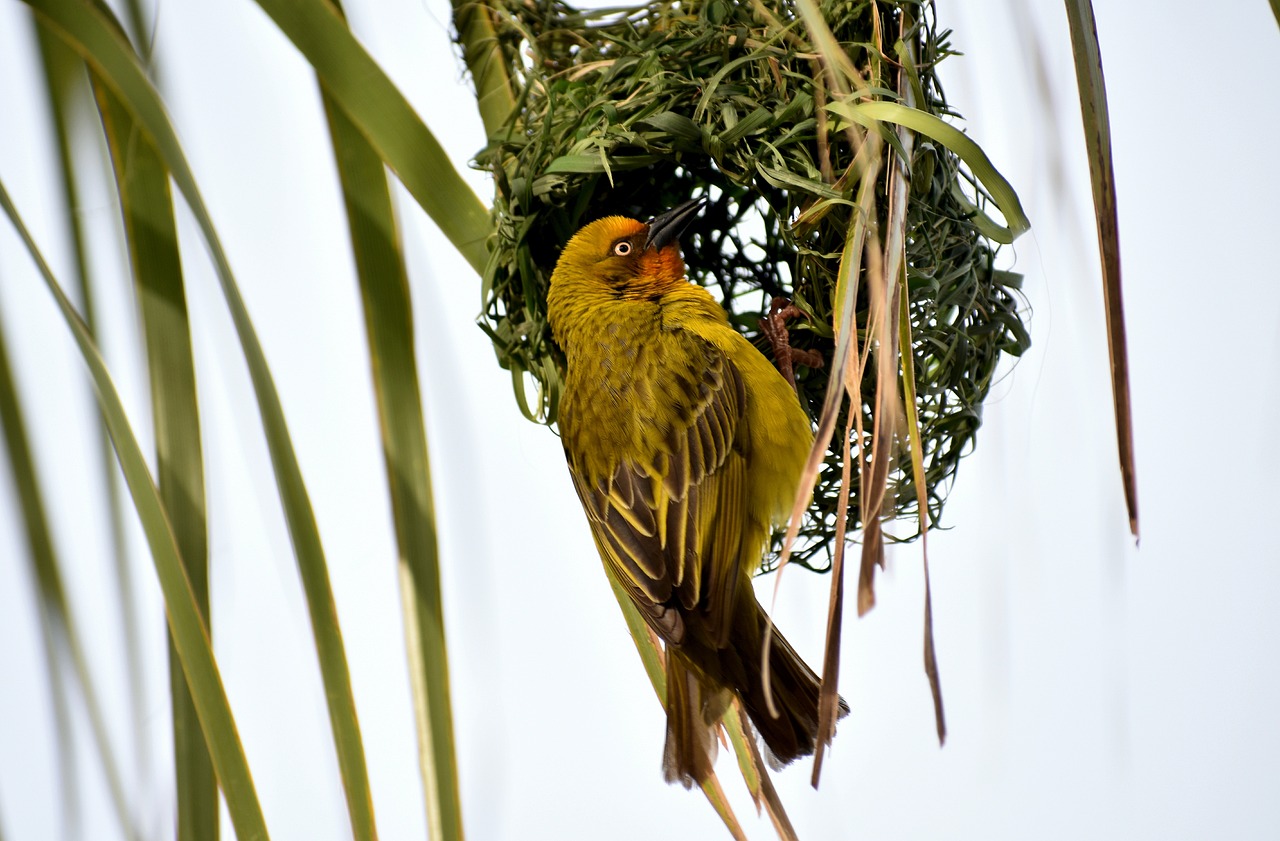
x: 685, y: 446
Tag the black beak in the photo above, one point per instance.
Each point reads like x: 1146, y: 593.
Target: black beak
x: 666, y: 228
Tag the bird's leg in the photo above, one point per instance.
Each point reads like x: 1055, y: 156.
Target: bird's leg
x: 774, y: 327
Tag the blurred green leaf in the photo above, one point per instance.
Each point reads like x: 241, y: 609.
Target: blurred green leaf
x: 151, y: 235
x: 190, y: 633
x: 58, y: 623
x: 376, y: 106
x: 651, y: 656
x: 388, y: 312
x: 64, y: 85
x: 90, y: 30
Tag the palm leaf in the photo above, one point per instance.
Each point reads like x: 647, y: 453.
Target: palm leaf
x: 382, y: 114
x: 58, y: 622
x: 90, y: 30
x: 651, y: 656
x: 185, y: 620
x: 151, y: 233
x: 384, y: 292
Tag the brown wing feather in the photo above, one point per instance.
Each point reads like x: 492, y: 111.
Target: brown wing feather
x: 667, y: 520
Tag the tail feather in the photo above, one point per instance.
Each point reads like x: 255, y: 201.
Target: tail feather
x: 793, y: 733
x: 699, y: 680
x: 690, y: 750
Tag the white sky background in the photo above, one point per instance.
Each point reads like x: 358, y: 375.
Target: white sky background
x: 1091, y: 689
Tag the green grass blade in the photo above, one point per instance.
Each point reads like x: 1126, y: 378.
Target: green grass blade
x: 1002, y: 192
x: 388, y: 122
x: 1097, y: 137
x: 152, y: 238
x: 57, y: 620
x: 384, y: 292
x: 189, y: 631
x: 96, y: 37
x: 388, y: 313
x: 1275, y: 9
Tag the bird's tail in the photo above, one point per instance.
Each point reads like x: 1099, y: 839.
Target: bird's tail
x: 793, y: 733
x: 697, y: 697
x: 694, y: 706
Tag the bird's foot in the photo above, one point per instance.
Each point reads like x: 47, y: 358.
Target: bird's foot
x: 774, y: 327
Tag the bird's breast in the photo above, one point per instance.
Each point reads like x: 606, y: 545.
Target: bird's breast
x: 611, y: 403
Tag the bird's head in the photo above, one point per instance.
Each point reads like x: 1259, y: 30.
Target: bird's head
x: 626, y: 257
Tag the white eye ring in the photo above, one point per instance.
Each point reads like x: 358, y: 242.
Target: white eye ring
x: 622, y: 249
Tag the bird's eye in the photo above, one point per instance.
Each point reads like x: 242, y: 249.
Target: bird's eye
x: 622, y: 249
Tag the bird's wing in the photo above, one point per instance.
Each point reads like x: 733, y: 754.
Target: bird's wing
x: 669, y: 519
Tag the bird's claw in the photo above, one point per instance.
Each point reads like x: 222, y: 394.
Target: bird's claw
x: 774, y: 327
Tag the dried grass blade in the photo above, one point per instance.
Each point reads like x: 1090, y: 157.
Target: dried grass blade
x: 846, y: 346
x: 651, y: 656
x: 922, y: 501
x: 875, y: 475
x: 828, y: 692
x: 836, y: 59
x: 151, y: 234
x: 1097, y: 135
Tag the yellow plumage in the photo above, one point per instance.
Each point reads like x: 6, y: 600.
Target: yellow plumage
x: 685, y: 446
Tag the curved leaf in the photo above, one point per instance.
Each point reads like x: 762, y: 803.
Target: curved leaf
x: 388, y: 316
x: 1002, y: 192
x: 190, y: 634
x: 152, y: 236
x: 387, y: 120
x: 90, y: 30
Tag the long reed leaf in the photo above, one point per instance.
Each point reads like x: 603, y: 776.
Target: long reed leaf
x: 63, y: 77
x: 151, y: 235
x: 388, y: 122
x: 58, y: 623
x: 90, y: 30
x: 384, y: 292
x: 189, y: 630
x: 1097, y: 136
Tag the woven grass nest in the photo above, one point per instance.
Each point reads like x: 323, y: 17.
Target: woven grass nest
x: 633, y: 111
